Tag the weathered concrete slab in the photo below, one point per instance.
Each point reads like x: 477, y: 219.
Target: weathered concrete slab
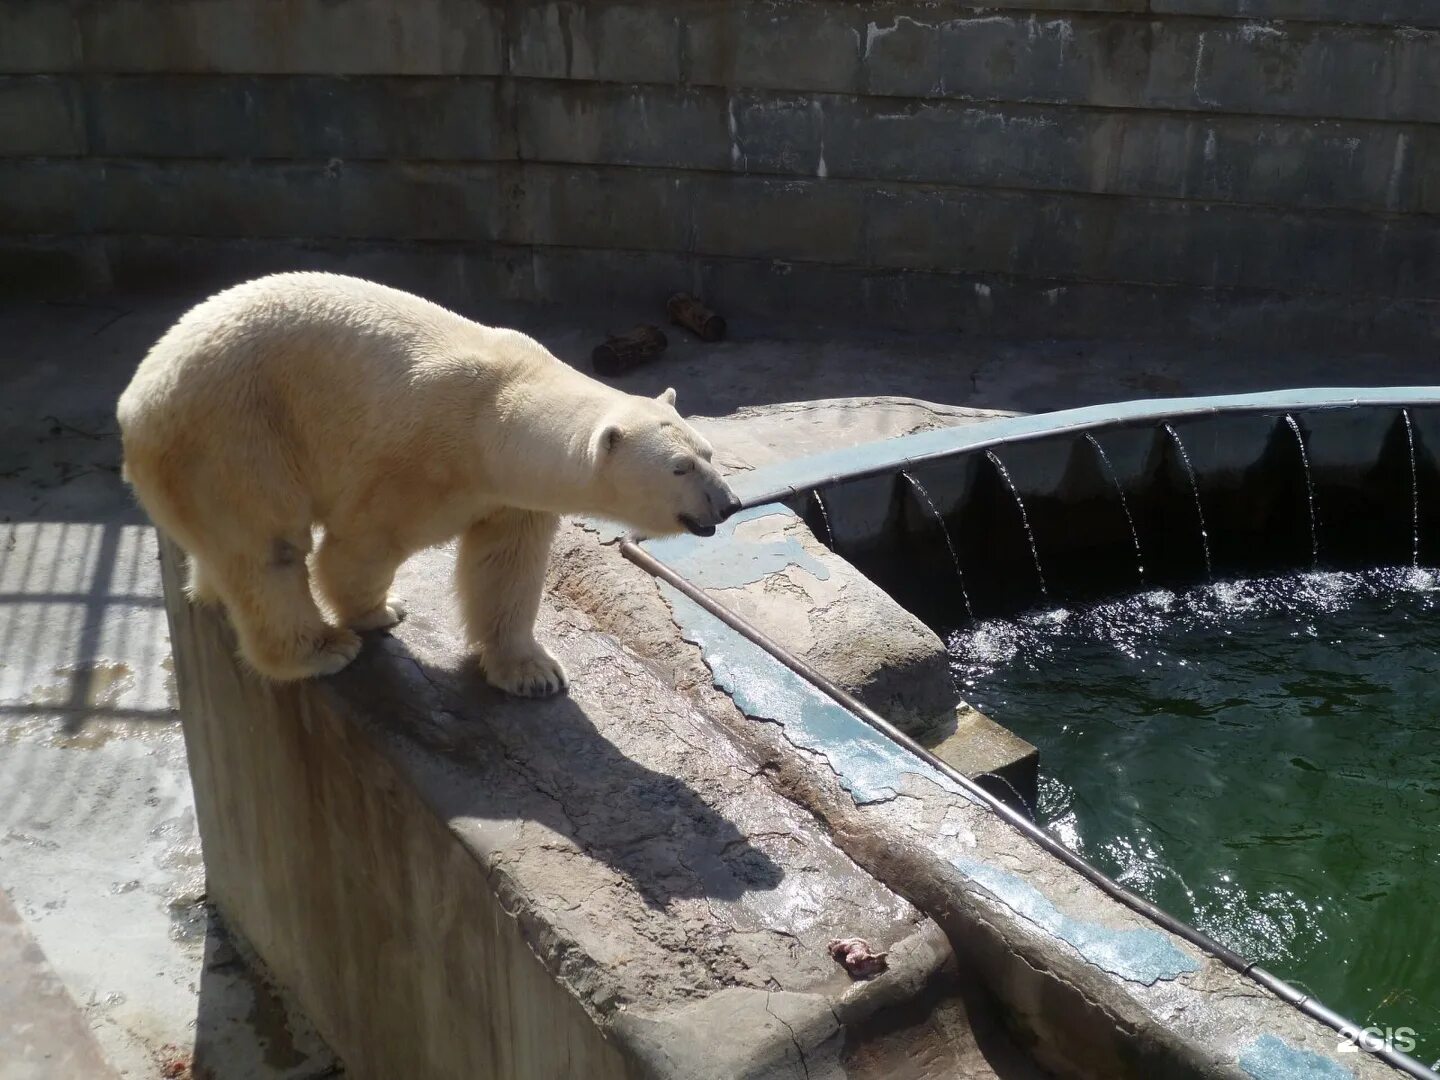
x: 636, y: 209
x: 37, y: 117
x: 426, y: 37
x: 253, y: 200
x: 1400, y: 13
x: 1005, y: 764
x: 603, y: 877
x: 1267, y: 160
x: 306, y: 117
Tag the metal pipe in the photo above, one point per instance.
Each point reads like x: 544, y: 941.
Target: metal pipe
x: 1309, y: 1006
x: 1086, y: 420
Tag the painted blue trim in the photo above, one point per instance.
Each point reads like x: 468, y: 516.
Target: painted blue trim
x: 1271, y: 1058
x: 1142, y: 954
x: 869, y: 766
x: 784, y: 480
x: 725, y: 561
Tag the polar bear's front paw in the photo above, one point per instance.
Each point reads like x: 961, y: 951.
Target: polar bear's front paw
x: 379, y: 618
x: 531, y: 673
x: 334, y: 651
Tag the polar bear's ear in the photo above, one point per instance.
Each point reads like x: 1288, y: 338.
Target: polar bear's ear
x: 668, y: 397
x: 607, y: 438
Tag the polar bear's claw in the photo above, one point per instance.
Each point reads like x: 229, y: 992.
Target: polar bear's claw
x: 533, y: 675
x: 379, y: 618
x: 335, y: 651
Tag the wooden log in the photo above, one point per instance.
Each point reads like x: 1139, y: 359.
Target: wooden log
x: 694, y: 316
x: 621, y: 352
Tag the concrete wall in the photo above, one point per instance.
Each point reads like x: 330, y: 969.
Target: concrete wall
x: 1246, y: 168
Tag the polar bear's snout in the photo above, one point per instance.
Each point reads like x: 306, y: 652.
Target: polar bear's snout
x: 720, y: 503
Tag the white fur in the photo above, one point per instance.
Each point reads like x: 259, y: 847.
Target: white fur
x: 299, y: 399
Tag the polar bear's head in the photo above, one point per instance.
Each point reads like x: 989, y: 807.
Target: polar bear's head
x: 654, y: 470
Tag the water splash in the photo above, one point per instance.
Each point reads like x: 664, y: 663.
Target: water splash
x: 924, y: 495
x: 1414, y: 493
x: 1309, y: 491
x: 824, y: 517
x: 1141, y: 698
x: 1195, y: 490
x: 1024, y: 519
x: 1124, y: 504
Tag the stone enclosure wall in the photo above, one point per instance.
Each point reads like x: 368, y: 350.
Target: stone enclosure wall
x: 1263, y: 170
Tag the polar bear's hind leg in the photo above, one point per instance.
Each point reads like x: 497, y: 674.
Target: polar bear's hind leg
x: 281, y: 632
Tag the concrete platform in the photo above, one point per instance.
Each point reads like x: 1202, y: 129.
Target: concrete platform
x: 456, y: 883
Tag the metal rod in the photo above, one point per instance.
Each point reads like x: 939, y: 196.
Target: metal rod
x: 1306, y: 1004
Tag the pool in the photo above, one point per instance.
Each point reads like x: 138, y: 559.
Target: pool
x: 1259, y: 758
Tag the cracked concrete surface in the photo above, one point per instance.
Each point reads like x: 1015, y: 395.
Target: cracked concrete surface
x: 772, y: 571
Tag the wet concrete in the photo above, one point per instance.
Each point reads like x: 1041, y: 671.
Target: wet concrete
x: 99, y: 853
x: 44, y: 1033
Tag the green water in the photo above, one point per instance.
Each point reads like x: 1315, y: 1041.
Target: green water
x: 1261, y: 759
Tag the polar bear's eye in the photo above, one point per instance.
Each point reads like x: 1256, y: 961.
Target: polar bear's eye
x: 689, y: 466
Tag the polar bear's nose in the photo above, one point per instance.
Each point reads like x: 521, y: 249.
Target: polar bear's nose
x: 724, y: 505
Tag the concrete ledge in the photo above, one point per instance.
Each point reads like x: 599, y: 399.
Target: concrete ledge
x: 775, y: 573
x: 1003, y: 763
x: 453, y: 883
x: 320, y: 851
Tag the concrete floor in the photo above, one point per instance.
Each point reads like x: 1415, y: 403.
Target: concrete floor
x: 99, y: 859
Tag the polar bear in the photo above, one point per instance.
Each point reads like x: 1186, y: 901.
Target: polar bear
x: 306, y: 399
